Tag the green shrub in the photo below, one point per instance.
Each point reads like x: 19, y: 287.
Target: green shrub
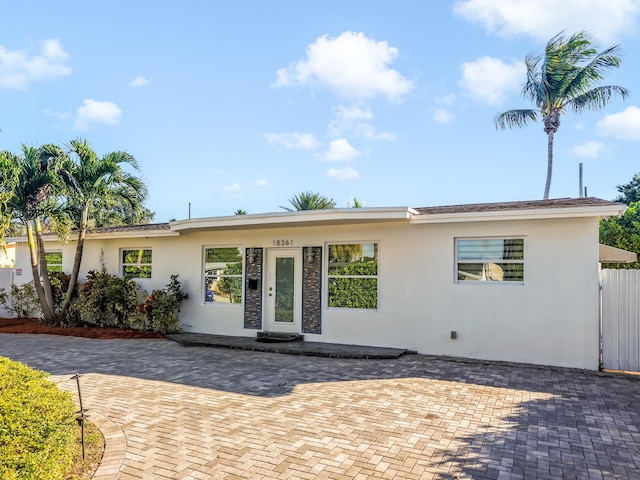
x: 21, y: 301
x: 163, y: 306
x: 106, y: 300
x: 37, y: 422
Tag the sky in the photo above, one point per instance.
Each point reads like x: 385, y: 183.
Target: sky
x: 241, y: 104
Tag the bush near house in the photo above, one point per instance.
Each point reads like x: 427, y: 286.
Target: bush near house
x: 37, y: 422
x: 20, y: 301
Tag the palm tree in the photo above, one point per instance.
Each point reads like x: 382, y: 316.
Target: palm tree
x: 30, y: 195
x: 309, y: 201
x: 92, y: 181
x: 565, y: 77
x: 240, y: 211
x: 355, y: 203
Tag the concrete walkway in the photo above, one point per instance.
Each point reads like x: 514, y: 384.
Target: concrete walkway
x: 171, y: 412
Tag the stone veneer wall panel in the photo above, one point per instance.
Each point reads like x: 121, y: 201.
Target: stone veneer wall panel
x: 312, y: 290
x: 253, y: 296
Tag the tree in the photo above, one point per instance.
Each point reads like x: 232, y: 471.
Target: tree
x: 629, y: 192
x: 355, y: 203
x: 623, y: 232
x: 93, y: 183
x: 30, y: 190
x: 565, y: 77
x: 309, y: 201
x: 240, y: 211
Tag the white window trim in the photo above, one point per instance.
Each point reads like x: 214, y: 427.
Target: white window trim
x: 326, y: 277
x: 497, y: 237
x: 122, y: 264
x: 203, y: 276
x: 61, y: 252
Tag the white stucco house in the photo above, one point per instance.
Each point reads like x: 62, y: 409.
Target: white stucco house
x: 513, y: 281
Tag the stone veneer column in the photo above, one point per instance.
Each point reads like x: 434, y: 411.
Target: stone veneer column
x: 311, y: 290
x: 253, y: 289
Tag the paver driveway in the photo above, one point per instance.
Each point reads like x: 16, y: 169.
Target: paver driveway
x: 200, y: 413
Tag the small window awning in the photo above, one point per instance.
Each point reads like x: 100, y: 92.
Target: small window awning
x: 609, y: 254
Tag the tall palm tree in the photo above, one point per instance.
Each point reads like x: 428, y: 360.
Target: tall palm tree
x: 30, y: 195
x: 309, y: 201
x: 91, y: 180
x: 565, y: 77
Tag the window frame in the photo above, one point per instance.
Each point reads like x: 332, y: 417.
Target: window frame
x: 54, y: 264
x: 123, y: 264
x: 328, y: 276
x: 523, y: 261
x: 204, y: 276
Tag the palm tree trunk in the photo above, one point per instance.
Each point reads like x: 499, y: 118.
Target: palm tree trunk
x: 77, y: 260
x: 547, y: 185
x: 35, y: 271
x: 44, y: 270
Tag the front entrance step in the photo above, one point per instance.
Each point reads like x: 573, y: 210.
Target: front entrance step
x: 278, y: 337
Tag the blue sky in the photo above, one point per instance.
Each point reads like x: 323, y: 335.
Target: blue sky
x: 242, y: 104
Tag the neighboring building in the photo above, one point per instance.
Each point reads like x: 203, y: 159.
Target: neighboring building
x: 511, y: 281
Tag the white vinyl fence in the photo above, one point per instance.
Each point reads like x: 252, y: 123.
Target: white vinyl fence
x: 6, y: 278
x: 621, y: 320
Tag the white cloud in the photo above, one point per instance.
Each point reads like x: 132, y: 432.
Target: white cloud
x: 542, y: 19
x: 346, y: 173
x: 19, y: 68
x: 624, y: 125
x: 58, y: 115
x: 261, y: 183
x: 588, y: 150
x: 94, y: 111
x: 139, y: 82
x: 442, y: 115
x: 234, y: 187
x: 293, y: 141
x: 353, y: 120
x: 347, y: 118
x: 340, y: 150
x: 446, y: 100
x: 351, y: 64
x: 490, y: 78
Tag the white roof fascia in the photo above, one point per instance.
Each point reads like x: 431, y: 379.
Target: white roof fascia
x: 524, y: 214
x: 103, y: 236
x: 334, y: 216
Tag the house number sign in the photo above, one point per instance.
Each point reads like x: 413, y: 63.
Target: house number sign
x: 282, y: 243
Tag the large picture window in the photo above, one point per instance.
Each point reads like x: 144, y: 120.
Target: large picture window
x: 223, y: 275
x: 136, y: 263
x: 352, y: 275
x: 490, y: 260
x: 54, y: 261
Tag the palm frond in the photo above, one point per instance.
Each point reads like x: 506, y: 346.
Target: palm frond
x: 515, y: 118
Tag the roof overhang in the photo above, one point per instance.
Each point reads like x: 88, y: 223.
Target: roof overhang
x: 105, y: 235
x: 607, y: 254
x: 602, y: 211
x: 336, y: 216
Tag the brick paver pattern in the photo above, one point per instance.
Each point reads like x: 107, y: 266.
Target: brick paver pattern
x: 204, y: 413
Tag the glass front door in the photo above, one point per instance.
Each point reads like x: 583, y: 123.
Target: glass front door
x: 284, y: 286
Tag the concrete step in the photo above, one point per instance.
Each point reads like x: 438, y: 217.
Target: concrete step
x: 278, y: 337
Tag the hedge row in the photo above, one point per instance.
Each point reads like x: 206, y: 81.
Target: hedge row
x: 37, y: 422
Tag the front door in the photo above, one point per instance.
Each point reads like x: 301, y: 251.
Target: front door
x: 284, y: 290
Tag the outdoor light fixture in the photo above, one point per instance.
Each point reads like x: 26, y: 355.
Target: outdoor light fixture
x: 252, y: 256
x: 311, y: 255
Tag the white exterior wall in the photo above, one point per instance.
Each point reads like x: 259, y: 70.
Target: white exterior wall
x: 552, y: 319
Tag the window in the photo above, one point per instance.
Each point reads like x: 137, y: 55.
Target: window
x: 352, y: 275
x: 136, y: 263
x: 54, y: 261
x: 490, y: 260
x: 223, y: 275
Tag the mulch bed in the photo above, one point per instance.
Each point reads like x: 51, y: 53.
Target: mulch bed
x: 33, y: 325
